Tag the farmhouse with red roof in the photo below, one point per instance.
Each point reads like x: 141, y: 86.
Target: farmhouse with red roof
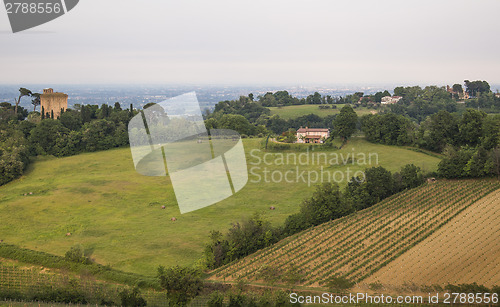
x: 312, y: 135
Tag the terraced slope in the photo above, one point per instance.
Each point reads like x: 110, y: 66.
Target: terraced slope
x: 465, y: 250
x: 361, y: 244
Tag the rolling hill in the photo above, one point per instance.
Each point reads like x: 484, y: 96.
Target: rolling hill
x: 289, y: 112
x: 361, y: 244
x: 115, y: 213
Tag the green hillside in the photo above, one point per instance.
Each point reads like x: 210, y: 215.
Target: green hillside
x: 288, y: 112
x: 360, y: 244
x: 116, y: 213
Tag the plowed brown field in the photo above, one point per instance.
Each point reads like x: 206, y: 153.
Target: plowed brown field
x: 465, y: 250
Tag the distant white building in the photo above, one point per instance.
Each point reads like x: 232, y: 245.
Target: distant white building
x: 391, y: 100
x: 312, y: 135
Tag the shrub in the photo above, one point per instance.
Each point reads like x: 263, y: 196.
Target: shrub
x: 339, y: 284
x: 325, y: 204
x: 76, y: 254
x: 132, y: 298
x: 241, y: 240
x: 182, y: 284
x: 467, y: 288
x: 237, y: 300
x: 295, y: 223
x: 216, y: 299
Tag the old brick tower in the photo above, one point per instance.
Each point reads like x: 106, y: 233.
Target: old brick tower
x: 53, y: 102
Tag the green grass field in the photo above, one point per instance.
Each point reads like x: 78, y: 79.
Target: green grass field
x: 301, y: 110
x: 114, y: 211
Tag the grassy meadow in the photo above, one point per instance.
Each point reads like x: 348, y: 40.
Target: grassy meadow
x: 115, y: 213
x: 289, y: 112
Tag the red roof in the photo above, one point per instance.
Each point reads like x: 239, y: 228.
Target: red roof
x: 304, y: 130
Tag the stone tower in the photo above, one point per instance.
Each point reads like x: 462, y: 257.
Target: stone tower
x: 53, y: 102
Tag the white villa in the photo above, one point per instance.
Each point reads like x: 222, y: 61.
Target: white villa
x: 391, y: 100
x: 312, y: 135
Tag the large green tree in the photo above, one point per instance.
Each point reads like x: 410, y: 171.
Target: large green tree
x: 325, y: 204
x: 99, y: 135
x: 182, y: 284
x: 390, y: 129
x: 411, y: 176
x: 477, y: 165
x: 491, y: 132
x: 457, y: 88
x: 471, y: 127
x: 71, y: 120
x: 379, y: 183
x: 439, y: 130
x: 475, y: 87
x: 454, y: 163
x: 344, y: 124
x: 46, y: 135
x: 314, y: 98
x: 236, y: 122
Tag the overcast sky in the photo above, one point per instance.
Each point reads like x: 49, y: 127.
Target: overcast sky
x: 258, y: 42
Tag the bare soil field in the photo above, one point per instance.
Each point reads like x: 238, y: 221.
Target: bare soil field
x: 465, y: 250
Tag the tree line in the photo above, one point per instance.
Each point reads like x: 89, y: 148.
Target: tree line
x: 85, y: 128
x: 264, y: 125
x: 470, y: 142
x: 416, y: 104
x: 428, y: 118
